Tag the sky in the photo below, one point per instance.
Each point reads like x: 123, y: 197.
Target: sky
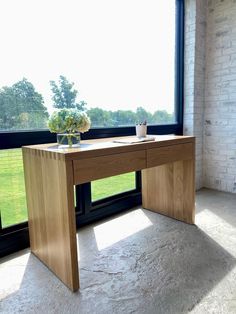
x: 119, y: 53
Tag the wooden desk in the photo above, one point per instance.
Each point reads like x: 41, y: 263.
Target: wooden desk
x: 167, y: 166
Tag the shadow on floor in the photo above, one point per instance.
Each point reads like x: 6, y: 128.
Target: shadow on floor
x: 165, y: 267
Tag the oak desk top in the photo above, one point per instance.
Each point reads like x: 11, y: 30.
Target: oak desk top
x: 107, y: 146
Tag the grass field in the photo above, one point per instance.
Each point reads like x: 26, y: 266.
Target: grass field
x: 12, y: 190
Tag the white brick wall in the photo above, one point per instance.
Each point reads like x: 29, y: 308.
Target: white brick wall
x: 220, y: 97
x: 210, y: 90
x: 195, y: 24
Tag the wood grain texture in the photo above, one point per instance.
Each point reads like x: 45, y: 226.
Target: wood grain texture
x: 162, y: 155
x: 103, y: 147
x: 169, y: 189
x: 105, y: 166
x: 50, y: 202
x: 50, y: 174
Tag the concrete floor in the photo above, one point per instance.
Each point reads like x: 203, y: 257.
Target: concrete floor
x: 137, y: 262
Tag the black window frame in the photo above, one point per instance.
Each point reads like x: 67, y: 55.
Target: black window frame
x: 16, y: 237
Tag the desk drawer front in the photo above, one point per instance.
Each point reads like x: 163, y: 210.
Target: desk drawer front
x: 86, y: 170
x: 164, y: 155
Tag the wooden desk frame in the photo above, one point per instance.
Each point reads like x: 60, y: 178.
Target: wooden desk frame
x: 168, y: 176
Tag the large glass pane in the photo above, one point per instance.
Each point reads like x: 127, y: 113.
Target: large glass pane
x: 12, y: 189
x: 113, y: 185
x: 119, y: 54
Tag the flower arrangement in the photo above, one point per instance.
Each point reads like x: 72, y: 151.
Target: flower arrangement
x: 69, y: 122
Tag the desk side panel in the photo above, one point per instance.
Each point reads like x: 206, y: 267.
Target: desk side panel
x: 50, y: 202
x: 169, y: 188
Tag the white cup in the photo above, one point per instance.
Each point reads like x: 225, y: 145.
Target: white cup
x: 141, y: 130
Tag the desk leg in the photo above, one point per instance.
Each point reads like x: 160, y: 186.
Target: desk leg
x: 50, y: 202
x: 170, y: 190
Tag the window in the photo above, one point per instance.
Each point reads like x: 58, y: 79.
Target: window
x: 132, y: 74
x: 12, y: 188
x: 120, y: 55
x: 113, y: 185
x: 125, y: 59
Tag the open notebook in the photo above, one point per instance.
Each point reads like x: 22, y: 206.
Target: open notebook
x: 135, y: 139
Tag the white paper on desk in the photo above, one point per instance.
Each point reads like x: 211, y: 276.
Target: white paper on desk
x: 135, y: 140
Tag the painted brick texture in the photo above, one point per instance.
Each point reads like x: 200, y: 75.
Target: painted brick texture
x: 194, y: 89
x: 219, y: 154
x: 210, y: 90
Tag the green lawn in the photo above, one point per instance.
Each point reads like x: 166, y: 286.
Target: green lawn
x: 12, y: 190
x: 113, y: 185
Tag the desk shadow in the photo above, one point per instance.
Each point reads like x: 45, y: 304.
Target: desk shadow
x: 167, y: 267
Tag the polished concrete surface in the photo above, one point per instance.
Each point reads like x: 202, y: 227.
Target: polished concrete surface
x: 137, y: 262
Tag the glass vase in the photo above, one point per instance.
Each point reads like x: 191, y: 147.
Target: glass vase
x: 68, y: 140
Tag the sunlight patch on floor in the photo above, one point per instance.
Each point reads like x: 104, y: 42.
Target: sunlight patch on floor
x: 11, y: 275
x: 217, y: 227
x: 217, y: 290
x: 120, y: 228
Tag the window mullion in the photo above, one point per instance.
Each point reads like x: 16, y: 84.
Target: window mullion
x: 138, y: 180
x: 0, y: 223
x: 83, y: 198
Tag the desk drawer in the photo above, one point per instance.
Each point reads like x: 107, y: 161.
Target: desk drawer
x: 164, y: 155
x: 86, y: 170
